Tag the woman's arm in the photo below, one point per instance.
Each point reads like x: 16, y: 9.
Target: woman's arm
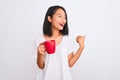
x: 40, y: 56
x: 40, y: 61
x: 72, y: 58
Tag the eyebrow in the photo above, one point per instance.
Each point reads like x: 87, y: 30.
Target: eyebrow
x: 60, y: 14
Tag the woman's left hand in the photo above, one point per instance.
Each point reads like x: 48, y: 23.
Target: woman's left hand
x: 81, y: 40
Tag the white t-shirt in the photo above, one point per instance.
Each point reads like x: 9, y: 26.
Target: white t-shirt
x: 56, y: 65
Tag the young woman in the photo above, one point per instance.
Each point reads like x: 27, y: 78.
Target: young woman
x: 56, y: 66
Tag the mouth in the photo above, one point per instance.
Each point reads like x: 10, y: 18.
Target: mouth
x: 62, y: 25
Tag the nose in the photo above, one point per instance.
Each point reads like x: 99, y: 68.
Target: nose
x: 64, y: 20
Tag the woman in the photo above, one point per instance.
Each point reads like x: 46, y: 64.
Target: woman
x: 56, y: 66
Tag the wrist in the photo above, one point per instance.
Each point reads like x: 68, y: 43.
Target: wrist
x: 81, y: 47
x: 40, y: 54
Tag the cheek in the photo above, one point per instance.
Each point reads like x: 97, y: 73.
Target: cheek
x: 65, y: 21
x: 55, y: 21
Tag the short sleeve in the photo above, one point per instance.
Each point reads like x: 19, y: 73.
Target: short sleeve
x: 70, y: 44
x: 35, y: 46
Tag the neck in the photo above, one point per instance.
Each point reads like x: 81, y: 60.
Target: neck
x: 56, y: 33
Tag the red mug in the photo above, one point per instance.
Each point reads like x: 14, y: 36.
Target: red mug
x: 50, y: 46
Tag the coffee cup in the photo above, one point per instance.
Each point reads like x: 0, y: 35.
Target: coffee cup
x: 50, y: 46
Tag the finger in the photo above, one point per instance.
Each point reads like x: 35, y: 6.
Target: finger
x: 42, y: 43
x: 43, y: 49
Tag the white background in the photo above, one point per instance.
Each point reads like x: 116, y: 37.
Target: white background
x: 21, y: 23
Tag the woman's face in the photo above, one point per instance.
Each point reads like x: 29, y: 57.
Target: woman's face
x: 58, y: 20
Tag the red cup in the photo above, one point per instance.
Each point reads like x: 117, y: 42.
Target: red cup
x: 50, y: 46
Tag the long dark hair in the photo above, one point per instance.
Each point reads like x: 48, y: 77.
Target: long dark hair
x: 47, y: 25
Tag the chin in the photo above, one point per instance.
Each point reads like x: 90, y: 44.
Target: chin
x: 61, y: 29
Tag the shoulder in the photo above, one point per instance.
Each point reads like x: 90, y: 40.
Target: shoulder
x: 69, y: 38
x: 69, y: 43
x: 39, y: 39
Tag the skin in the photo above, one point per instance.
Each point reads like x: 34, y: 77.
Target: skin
x: 57, y: 22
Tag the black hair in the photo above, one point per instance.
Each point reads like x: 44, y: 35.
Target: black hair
x: 47, y: 25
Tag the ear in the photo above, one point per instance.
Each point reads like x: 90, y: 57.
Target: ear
x: 49, y: 19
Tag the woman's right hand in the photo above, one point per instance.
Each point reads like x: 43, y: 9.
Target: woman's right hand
x: 41, y: 48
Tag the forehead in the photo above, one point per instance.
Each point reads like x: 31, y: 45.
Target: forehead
x: 60, y: 11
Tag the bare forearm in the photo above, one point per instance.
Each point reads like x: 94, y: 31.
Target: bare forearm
x: 75, y: 57
x: 40, y: 61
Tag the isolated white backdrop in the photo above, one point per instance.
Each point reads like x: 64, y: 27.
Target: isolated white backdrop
x: 21, y: 23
